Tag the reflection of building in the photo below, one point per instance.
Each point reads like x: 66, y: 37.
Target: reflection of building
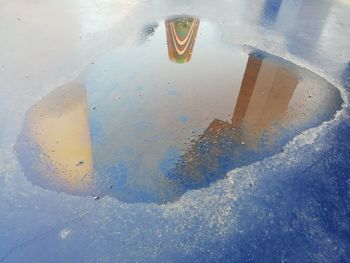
x: 263, y: 98
x: 54, y: 147
x: 265, y: 93
x: 181, y: 34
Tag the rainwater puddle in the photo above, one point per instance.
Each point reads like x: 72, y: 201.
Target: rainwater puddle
x: 174, y: 112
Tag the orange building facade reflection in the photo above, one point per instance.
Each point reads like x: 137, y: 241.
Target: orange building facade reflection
x: 265, y: 93
x: 266, y: 90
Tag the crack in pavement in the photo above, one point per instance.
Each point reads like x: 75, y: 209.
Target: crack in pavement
x: 42, y: 235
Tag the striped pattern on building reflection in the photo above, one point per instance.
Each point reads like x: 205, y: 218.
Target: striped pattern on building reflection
x: 181, y: 32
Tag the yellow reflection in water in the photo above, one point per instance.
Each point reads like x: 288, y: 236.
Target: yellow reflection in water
x: 59, y: 126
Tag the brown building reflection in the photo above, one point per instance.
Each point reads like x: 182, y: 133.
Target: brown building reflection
x: 55, y: 147
x: 266, y: 90
x: 181, y: 32
x: 263, y: 99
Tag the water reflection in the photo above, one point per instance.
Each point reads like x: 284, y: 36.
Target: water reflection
x: 265, y: 93
x: 264, y: 96
x: 142, y: 129
x: 181, y: 32
x: 60, y: 156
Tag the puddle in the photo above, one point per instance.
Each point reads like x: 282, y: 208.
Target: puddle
x: 148, y: 122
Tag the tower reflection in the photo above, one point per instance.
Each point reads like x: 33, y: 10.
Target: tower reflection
x: 263, y: 99
x: 264, y: 96
x: 181, y: 32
